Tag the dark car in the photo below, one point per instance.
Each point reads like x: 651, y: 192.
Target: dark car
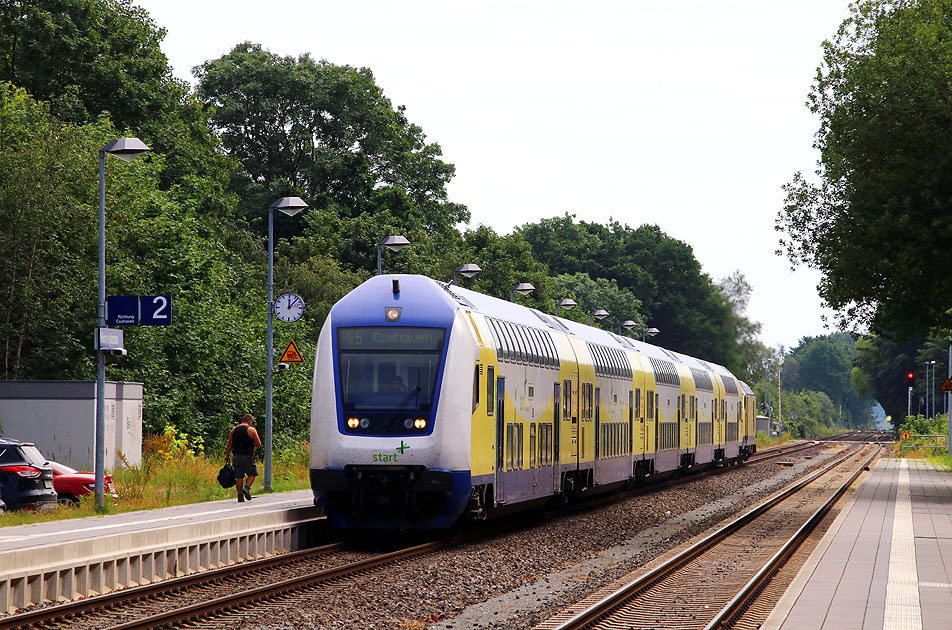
x: 26, y: 478
x: 70, y: 484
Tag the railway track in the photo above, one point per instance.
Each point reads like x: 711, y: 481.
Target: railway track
x: 710, y: 584
x: 207, y: 595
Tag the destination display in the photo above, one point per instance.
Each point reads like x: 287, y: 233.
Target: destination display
x: 383, y: 339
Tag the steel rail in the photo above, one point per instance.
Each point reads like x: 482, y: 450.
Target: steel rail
x: 224, y: 604
x: 604, y: 606
x: 741, y: 601
x: 119, y: 597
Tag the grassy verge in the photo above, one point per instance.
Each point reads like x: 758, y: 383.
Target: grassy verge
x: 171, y: 473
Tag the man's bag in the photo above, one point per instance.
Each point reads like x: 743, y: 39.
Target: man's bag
x: 226, y: 476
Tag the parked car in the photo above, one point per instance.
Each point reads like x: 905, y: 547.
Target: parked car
x: 70, y: 484
x: 26, y: 477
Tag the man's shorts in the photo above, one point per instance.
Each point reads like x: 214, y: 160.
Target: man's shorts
x: 244, y: 465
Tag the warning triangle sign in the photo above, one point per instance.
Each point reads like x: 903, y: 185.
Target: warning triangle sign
x: 291, y: 354
x: 946, y: 385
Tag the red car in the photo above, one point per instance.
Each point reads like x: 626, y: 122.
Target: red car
x: 71, y: 484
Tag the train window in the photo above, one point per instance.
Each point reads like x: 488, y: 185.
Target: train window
x: 519, y: 430
x: 532, y: 445
x: 527, y: 344
x: 567, y: 400
x: 536, y: 346
x: 490, y: 389
x: 535, y: 359
x: 544, y: 360
x: 649, y: 405
x: 495, y: 335
x: 555, y: 351
x: 510, y: 341
x: 516, y: 343
x: 475, y: 388
x: 657, y: 399
x: 503, y: 342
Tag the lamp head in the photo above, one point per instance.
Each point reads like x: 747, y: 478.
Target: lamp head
x: 524, y: 288
x: 126, y: 149
x: 628, y: 324
x: 567, y: 303
x: 394, y: 243
x: 468, y: 270
x: 600, y: 314
x: 289, y: 205
x: 651, y: 332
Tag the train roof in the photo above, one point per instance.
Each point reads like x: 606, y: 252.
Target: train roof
x: 516, y: 313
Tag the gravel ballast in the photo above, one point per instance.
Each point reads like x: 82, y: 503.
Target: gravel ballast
x: 517, y: 580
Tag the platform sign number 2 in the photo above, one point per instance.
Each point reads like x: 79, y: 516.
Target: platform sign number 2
x: 156, y: 310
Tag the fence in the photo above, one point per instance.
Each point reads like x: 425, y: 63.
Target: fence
x: 911, y: 441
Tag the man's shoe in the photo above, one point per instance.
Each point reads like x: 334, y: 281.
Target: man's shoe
x: 247, y: 493
x: 241, y: 497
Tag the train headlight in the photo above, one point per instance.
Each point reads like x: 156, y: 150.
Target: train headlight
x: 364, y: 423
x: 419, y: 423
x: 353, y: 423
x: 408, y: 423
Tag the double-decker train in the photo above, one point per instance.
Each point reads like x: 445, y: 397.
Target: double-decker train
x: 432, y: 402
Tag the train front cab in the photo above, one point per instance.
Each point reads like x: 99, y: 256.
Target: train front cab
x: 387, y: 450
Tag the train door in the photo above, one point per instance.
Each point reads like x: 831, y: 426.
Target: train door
x: 570, y: 414
x: 500, y: 438
x: 631, y: 424
x: 598, y: 438
x: 556, y: 431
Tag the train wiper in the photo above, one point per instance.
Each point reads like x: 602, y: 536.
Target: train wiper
x: 403, y: 403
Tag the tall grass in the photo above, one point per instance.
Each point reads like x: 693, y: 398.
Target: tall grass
x: 175, y: 471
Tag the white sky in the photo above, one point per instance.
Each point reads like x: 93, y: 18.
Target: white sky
x: 688, y: 114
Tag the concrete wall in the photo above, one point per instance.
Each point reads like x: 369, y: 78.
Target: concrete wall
x: 60, y: 418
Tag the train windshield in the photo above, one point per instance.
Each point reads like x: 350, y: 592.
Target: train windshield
x: 386, y: 367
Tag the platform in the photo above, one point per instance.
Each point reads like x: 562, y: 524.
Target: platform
x: 886, y: 561
x: 65, y: 559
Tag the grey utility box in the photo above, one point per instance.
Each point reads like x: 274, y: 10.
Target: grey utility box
x: 60, y: 418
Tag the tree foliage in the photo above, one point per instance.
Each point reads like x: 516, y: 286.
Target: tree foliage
x: 825, y: 364
x: 694, y: 315
x: 324, y: 132
x: 876, y: 221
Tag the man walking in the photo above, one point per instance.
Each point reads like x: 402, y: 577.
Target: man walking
x: 243, y: 440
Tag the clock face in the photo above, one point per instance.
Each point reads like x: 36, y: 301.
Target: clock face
x: 289, y: 307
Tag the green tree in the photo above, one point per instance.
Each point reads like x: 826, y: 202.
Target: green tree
x: 47, y: 239
x: 694, y: 316
x: 326, y: 133
x: 825, y: 364
x: 875, y: 224
x: 600, y: 293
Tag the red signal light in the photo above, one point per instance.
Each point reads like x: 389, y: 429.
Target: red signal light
x: 910, y: 375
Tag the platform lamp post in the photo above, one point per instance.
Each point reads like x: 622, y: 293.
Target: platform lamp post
x: 289, y: 206
x: 627, y: 325
x: 566, y: 303
x: 649, y: 332
x: 932, y: 389
x: 597, y: 314
x: 393, y: 243
x: 523, y: 288
x: 467, y: 271
x: 927, y: 390
x: 126, y: 149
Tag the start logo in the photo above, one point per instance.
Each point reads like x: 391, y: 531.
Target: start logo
x: 391, y: 457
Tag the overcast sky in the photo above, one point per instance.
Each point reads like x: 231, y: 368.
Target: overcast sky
x: 688, y: 114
